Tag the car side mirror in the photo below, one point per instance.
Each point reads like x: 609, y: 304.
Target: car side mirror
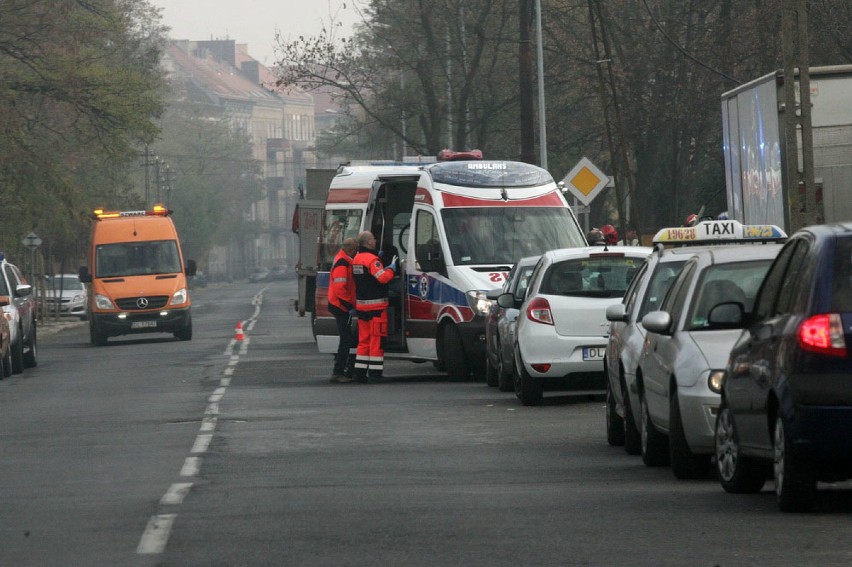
x: 506, y: 300
x: 658, y: 322
x: 191, y: 268
x: 493, y: 294
x: 727, y: 315
x: 84, y: 274
x: 616, y: 313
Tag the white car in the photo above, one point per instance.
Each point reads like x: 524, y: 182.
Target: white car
x: 21, y: 315
x: 686, y: 347
x: 561, y: 332
x: 71, y: 293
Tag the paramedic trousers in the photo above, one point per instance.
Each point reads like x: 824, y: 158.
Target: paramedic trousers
x: 347, y: 344
x: 370, y: 357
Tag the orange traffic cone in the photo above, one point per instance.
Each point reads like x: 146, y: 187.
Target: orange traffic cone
x: 239, y: 332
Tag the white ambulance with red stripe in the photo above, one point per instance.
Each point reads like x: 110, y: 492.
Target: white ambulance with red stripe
x: 458, y: 225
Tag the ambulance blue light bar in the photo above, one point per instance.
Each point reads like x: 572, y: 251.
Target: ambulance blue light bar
x: 719, y: 231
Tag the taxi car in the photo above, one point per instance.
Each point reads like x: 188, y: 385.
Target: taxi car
x: 627, y: 336
x: 21, y: 315
x: 786, y: 404
x: 561, y: 331
x: 685, y: 347
x: 500, y: 325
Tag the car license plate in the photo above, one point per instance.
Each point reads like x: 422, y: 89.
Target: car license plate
x: 143, y: 324
x: 593, y: 353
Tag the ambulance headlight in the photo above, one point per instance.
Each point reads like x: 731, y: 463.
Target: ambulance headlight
x: 179, y: 296
x: 480, y: 304
x: 103, y: 302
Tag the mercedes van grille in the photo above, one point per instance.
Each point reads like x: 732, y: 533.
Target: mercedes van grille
x: 138, y: 303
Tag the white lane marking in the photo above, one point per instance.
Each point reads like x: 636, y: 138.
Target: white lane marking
x: 229, y: 371
x: 191, y: 466
x: 233, y: 361
x: 202, y: 443
x: 208, y: 424
x: 176, y: 493
x: 156, y: 534
x: 226, y: 381
x: 212, y: 409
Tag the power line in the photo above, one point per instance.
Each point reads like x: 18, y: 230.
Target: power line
x: 684, y: 51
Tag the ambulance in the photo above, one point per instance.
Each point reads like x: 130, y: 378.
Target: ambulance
x: 458, y: 225
x: 137, y: 276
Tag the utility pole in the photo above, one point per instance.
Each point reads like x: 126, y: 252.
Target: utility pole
x: 525, y: 83
x: 801, y: 189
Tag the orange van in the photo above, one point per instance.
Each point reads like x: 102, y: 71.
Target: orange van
x: 137, y: 276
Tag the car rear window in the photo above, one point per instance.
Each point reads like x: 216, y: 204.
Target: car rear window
x: 841, y: 289
x: 596, y: 276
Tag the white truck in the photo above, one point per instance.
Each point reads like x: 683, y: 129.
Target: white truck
x: 753, y: 140
x: 458, y: 226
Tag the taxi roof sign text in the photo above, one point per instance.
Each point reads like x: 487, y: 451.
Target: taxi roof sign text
x: 719, y: 231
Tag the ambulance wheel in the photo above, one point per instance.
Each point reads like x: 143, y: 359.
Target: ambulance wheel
x: 96, y: 336
x: 454, y: 358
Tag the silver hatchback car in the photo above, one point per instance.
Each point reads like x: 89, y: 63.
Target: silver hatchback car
x: 683, y: 350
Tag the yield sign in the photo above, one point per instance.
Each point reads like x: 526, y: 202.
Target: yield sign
x: 585, y: 181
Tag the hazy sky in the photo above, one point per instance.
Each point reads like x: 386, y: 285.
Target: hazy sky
x: 255, y: 22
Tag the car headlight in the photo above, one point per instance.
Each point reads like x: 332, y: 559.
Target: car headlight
x: 103, y: 302
x: 716, y: 380
x: 179, y: 296
x: 79, y: 298
x: 480, y: 304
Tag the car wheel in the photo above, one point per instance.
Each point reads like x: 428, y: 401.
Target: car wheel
x: 795, y: 478
x: 504, y: 376
x: 96, y: 336
x: 490, y: 372
x: 685, y: 463
x: 456, y: 362
x: 185, y: 334
x: 31, y: 354
x: 7, y: 362
x: 18, y: 354
x: 655, y: 446
x: 614, y: 422
x: 526, y: 389
x: 632, y: 437
x: 737, y: 473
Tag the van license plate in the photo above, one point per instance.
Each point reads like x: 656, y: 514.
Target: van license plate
x: 147, y: 325
x: 593, y: 353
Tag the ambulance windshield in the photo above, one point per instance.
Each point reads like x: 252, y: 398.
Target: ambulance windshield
x: 489, y: 174
x: 137, y: 258
x: 503, y: 235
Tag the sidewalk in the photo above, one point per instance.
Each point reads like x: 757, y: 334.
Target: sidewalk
x: 51, y: 325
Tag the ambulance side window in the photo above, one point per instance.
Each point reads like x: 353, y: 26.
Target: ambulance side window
x: 427, y: 244
x: 339, y: 224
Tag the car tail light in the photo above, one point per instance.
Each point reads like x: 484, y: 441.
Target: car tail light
x: 539, y: 311
x: 823, y: 334
x: 542, y: 368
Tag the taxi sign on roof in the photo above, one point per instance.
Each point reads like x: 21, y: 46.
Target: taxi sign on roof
x: 719, y: 231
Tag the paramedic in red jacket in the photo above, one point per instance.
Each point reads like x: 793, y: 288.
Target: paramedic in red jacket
x: 341, y: 303
x: 371, y: 302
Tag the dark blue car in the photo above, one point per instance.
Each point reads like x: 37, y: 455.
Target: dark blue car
x: 786, y: 408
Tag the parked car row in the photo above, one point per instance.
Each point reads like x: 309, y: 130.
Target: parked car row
x: 725, y: 344
x: 276, y: 273
x: 19, y: 315
x: 65, y: 295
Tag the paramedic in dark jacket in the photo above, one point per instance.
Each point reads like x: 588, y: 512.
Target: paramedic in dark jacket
x: 371, y: 302
x: 341, y: 303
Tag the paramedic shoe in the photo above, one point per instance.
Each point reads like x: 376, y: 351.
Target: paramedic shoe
x: 360, y: 375
x: 340, y: 379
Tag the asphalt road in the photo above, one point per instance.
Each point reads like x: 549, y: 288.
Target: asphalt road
x: 151, y: 451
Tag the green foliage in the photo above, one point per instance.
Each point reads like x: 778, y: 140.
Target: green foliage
x: 80, y: 89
